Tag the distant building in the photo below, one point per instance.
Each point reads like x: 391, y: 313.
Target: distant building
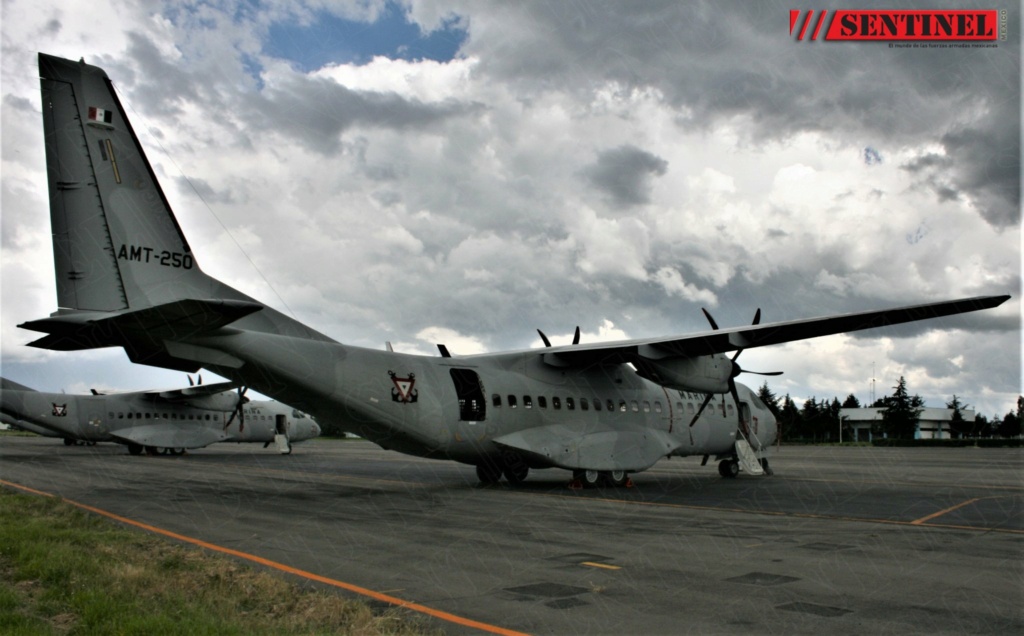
x: 932, y: 423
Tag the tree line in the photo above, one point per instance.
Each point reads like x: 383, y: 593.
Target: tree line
x: 819, y: 421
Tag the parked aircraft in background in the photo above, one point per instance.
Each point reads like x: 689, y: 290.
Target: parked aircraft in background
x: 157, y: 421
x: 126, y: 277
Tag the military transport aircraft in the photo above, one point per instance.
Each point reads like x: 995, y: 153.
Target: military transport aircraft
x: 157, y: 421
x: 126, y: 277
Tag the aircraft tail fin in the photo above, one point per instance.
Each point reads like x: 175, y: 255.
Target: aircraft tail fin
x: 116, y: 242
x: 126, y: 275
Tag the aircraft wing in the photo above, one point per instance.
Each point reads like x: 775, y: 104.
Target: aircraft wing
x: 725, y: 340
x: 171, y: 435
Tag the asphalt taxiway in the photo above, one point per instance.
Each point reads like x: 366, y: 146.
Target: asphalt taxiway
x: 840, y: 540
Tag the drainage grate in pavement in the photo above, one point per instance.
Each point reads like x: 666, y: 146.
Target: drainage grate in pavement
x: 547, y: 590
x: 826, y: 547
x: 763, y: 579
x: 817, y: 610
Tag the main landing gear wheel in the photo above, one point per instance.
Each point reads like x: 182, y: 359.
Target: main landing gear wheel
x: 515, y: 474
x: 135, y: 449
x: 589, y: 478
x: 729, y: 468
x: 616, y: 478
x: 488, y: 473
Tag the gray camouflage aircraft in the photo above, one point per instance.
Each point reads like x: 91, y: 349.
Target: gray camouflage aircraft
x: 126, y: 277
x: 157, y: 421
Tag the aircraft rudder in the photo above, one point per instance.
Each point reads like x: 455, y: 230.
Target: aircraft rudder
x: 117, y: 244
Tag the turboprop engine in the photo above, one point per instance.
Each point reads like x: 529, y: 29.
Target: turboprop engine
x: 701, y: 374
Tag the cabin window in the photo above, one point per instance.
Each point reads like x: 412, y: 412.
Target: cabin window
x: 556, y: 402
x: 542, y: 402
x: 657, y: 407
x: 129, y: 415
x: 597, y: 404
x: 636, y: 407
x: 149, y: 415
x: 512, y: 402
x: 611, y: 405
x: 689, y: 407
x: 647, y: 406
x: 622, y: 405
x: 527, y: 402
x: 496, y: 400
x: 584, y: 404
x: 570, y: 404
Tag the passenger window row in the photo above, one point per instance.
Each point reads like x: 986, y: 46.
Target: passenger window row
x: 175, y: 416
x: 585, y: 405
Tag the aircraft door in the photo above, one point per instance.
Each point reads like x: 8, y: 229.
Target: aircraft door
x: 281, y: 434
x: 749, y: 425
x: 470, y: 393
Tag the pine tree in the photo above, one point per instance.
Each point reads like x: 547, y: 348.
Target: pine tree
x: 901, y: 412
x: 851, y: 402
x: 957, y: 423
x: 769, y: 398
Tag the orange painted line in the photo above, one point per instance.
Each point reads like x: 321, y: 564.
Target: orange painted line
x: 924, y: 520
x: 604, y: 566
x: 392, y: 600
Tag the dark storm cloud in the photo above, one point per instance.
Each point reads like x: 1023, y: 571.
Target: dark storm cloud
x: 317, y: 110
x: 314, y: 110
x: 718, y: 60
x: 624, y: 173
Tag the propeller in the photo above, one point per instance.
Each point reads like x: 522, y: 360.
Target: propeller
x: 238, y: 410
x: 736, y: 370
x: 547, y: 343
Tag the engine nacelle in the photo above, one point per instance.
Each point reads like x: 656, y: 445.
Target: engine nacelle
x: 701, y: 374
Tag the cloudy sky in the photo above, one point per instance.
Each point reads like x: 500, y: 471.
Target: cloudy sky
x: 466, y: 172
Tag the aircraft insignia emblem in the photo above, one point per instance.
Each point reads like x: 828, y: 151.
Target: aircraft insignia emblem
x: 404, y: 391
x: 60, y: 410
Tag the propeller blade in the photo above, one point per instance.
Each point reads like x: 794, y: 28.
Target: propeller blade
x: 763, y: 372
x: 547, y: 343
x: 190, y: 382
x: 703, y: 405
x: 757, y: 317
x: 576, y: 336
x: 714, y: 325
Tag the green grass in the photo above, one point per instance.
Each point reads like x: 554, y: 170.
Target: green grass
x: 65, y: 571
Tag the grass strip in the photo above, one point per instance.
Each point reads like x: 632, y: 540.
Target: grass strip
x: 64, y: 571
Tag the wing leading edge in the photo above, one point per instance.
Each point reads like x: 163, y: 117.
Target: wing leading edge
x: 726, y: 340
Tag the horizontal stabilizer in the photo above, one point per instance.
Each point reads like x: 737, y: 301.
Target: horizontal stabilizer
x: 171, y: 435
x: 564, y: 447
x: 10, y: 385
x: 142, y: 332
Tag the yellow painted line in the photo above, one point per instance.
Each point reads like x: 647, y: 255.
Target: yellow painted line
x: 392, y: 600
x: 603, y: 566
x: 923, y: 520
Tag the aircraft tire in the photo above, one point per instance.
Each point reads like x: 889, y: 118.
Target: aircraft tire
x: 516, y: 473
x: 616, y: 478
x: 134, y: 449
x: 729, y: 468
x: 68, y: 441
x: 590, y: 478
x: 488, y: 473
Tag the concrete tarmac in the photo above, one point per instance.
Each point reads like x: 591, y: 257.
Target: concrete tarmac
x: 839, y: 541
